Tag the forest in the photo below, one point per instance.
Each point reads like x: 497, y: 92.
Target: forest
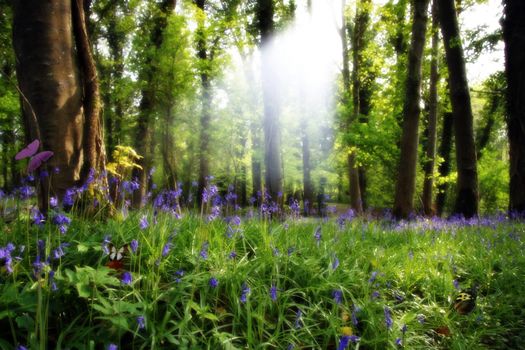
x: 242, y: 174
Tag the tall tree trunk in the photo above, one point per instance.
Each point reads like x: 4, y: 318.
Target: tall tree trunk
x: 360, y: 93
x: 484, y: 137
x: 430, y: 152
x: 406, y: 181
x: 444, y: 151
x: 353, y: 172
x: 256, y: 162
x: 514, y: 37
x: 202, y: 54
x: 467, y: 184
x: 272, y: 135
x: 147, y: 104
x: 308, y: 191
x: 52, y: 90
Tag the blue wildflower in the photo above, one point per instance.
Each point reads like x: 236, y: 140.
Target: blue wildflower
x: 345, y: 341
x: 37, y: 217
x: 298, y: 319
x: 337, y: 294
x: 204, y: 251
x: 213, y: 282
x: 112, y: 347
x: 388, y: 318
x: 421, y: 318
x: 232, y: 255
x: 317, y: 235
x: 53, y: 202
x: 456, y: 284
x: 373, y: 277
x: 143, y: 223
x: 166, y: 249
x: 141, y: 322
x: 399, y: 342
x: 62, y: 222
x: 59, y: 252
x: 355, y: 311
x: 244, y: 293
x: 134, y: 245
x: 273, y: 293
x: 335, y: 263
x: 126, y: 278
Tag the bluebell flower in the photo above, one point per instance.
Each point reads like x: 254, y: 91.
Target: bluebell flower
x: 112, y: 347
x: 59, y: 252
x: 317, y: 235
x: 141, y: 322
x: 273, y: 293
x: 244, y: 293
x: 335, y: 263
x: 456, y: 284
x: 134, y: 245
x: 20, y: 347
x: 404, y: 329
x: 232, y: 255
x: 53, y: 202
x: 204, y: 251
x: 143, y: 223
x: 62, y: 222
x: 373, y: 277
x: 179, y: 274
x: 166, y: 249
x: 375, y: 294
x: 399, y: 342
x: 213, y: 282
x: 337, y: 294
x: 346, y: 340
x: 126, y: 278
x: 388, y: 318
x: 355, y: 311
x: 37, y: 217
x: 298, y: 319
x: 421, y: 318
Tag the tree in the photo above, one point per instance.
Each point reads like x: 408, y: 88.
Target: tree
x: 148, y: 75
x: 272, y: 142
x: 353, y: 172
x: 430, y: 152
x: 514, y: 37
x: 406, y: 181
x: 467, y: 183
x: 59, y: 90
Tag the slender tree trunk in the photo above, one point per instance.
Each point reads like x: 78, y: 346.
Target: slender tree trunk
x: 353, y: 172
x: 467, y: 184
x: 272, y: 135
x: 308, y: 191
x: 202, y: 54
x: 406, y: 181
x: 146, y: 108
x: 256, y: 163
x: 484, y: 137
x: 430, y: 151
x: 445, y: 149
x: 93, y: 140
x: 514, y: 37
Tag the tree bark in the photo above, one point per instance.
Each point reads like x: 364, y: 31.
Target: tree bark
x: 202, y: 54
x: 147, y: 104
x: 467, y: 184
x: 272, y: 135
x: 406, y: 181
x: 444, y: 168
x: 51, y: 89
x: 353, y: 171
x: 430, y: 151
x: 514, y: 37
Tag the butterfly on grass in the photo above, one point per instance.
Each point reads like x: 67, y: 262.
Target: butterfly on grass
x: 117, y: 256
x: 37, y: 159
x: 465, y: 302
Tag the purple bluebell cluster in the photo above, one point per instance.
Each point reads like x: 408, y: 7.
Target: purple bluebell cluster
x: 245, y: 291
x: 5, y: 255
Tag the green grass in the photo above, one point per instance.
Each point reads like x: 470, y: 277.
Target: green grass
x: 415, y: 266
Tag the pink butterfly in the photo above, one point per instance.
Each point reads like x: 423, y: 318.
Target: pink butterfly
x: 37, y: 159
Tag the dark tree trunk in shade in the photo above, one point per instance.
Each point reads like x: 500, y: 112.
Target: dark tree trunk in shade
x: 353, y: 171
x: 205, y: 117
x: 484, y: 136
x: 444, y: 151
x: 430, y: 151
x: 514, y: 37
x: 144, y: 132
x: 467, y: 183
x: 59, y: 103
x: 406, y: 181
x: 361, y: 91
x: 272, y: 134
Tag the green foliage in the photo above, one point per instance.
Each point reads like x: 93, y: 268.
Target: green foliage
x: 409, y: 268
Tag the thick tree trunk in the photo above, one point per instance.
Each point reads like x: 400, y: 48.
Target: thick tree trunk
x: 514, y: 37
x: 445, y: 149
x: 467, y: 184
x: 272, y: 135
x: 406, y: 181
x: 50, y: 85
x: 353, y: 172
x: 430, y: 152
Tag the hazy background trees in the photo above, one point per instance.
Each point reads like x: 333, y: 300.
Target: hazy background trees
x: 307, y: 99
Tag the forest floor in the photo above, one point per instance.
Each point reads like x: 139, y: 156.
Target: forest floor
x: 237, y: 283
